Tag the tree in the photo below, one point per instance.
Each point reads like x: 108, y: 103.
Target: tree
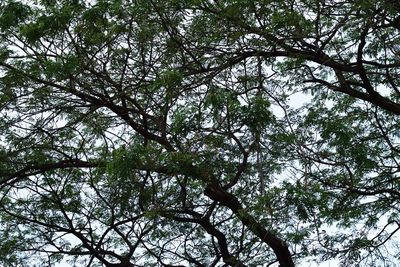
x: 162, y: 133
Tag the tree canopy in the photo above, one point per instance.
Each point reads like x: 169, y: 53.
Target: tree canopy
x: 199, y: 133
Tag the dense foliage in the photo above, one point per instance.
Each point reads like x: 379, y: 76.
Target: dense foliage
x: 199, y: 133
